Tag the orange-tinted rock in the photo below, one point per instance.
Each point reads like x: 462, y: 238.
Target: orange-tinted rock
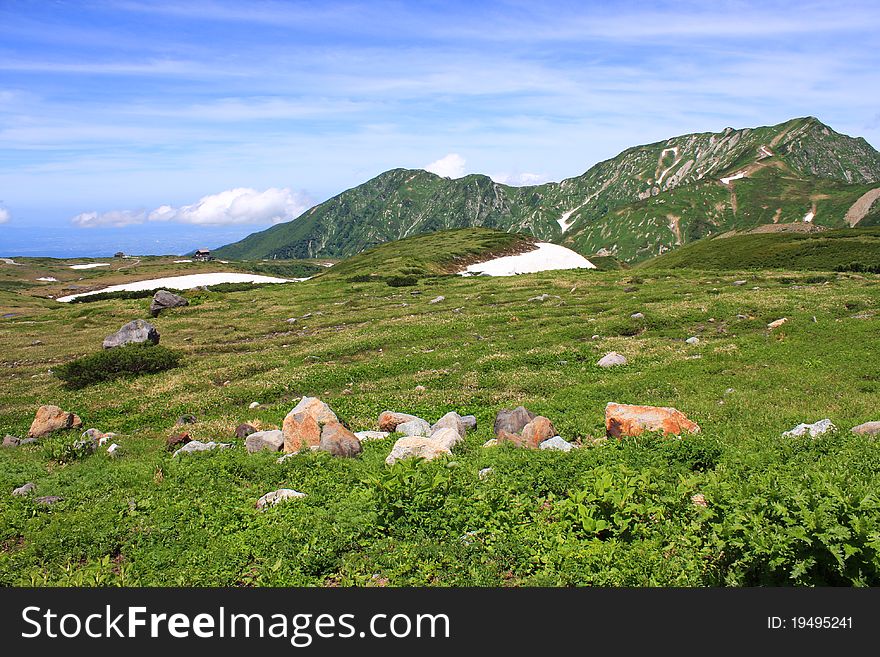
x: 389, y: 420
x: 339, y: 441
x: 319, y: 410
x: 629, y: 420
x: 538, y: 430
x: 300, y: 430
x: 177, y: 440
x: 52, y: 418
x: 506, y: 437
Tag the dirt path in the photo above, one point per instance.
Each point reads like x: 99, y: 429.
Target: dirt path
x: 861, y: 207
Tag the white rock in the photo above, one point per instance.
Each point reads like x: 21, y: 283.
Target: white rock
x: 557, y: 443
x: 114, y: 450
x: 371, y: 435
x: 199, y: 446
x: 274, y: 497
x: 492, y: 442
x: 447, y: 437
x: 254, y: 404
x: 777, y: 323
x: 437, y: 299
x: 693, y: 340
x: 637, y: 316
x: 417, y: 427
x: 485, y: 472
x: 611, y: 359
x: 416, y: 446
x: 819, y: 428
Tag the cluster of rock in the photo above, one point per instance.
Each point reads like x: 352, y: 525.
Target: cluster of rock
x: 421, y: 439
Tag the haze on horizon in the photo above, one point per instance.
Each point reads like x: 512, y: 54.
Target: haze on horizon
x: 160, y: 127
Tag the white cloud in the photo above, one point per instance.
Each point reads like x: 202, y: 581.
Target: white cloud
x: 114, y: 218
x: 4, y: 215
x: 520, y: 179
x: 449, y: 166
x: 241, y: 205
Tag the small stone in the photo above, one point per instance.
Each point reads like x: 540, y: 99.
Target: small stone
x: 271, y: 441
x: 114, y: 450
x: 867, y: 429
x: 244, y: 430
x: 492, y: 442
x: 729, y: 391
x: 740, y: 282
x: 291, y: 320
x: 25, y: 489
x: 199, y: 446
x: 693, y: 340
x: 742, y: 316
x: 185, y: 419
x: 274, y: 497
x: 814, y: 430
x: 777, y: 323
x: 698, y: 499
x: 557, y: 443
x: 611, y: 359
x: 595, y: 337
x: 437, y: 299
x: 364, y: 436
x: 637, y: 316
x: 254, y: 405
x: 11, y: 441
x: 485, y: 472
x: 177, y: 440
x: 48, y: 499
x: 420, y: 388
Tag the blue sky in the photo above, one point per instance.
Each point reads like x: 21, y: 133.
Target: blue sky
x: 166, y: 126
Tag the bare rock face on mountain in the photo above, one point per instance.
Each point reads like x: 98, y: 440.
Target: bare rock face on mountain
x: 138, y: 331
x: 630, y: 420
x: 51, y: 418
x: 164, y: 299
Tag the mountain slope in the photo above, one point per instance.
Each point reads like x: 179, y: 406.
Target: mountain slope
x: 646, y: 200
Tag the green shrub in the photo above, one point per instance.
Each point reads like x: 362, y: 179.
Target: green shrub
x: 402, y: 281
x: 129, y: 360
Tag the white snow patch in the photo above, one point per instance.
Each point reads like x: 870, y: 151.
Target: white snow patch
x: 9, y: 261
x: 808, y: 218
x: 91, y: 265
x: 766, y: 151
x: 563, y: 221
x: 177, y: 262
x: 48, y: 279
x: 736, y: 176
x: 184, y: 283
x: 675, y: 160
x: 544, y: 258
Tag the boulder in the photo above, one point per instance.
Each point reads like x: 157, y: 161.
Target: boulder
x: 244, y: 430
x: 612, y: 359
x: 630, y: 420
x: 537, y: 431
x: 138, y: 331
x: 371, y: 435
x: 507, y: 437
x: 447, y: 437
x: 866, y: 429
x: 174, y: 441
x: 319, y: 410
x: 272, y: 441
x: 51, y: 418
x: 302, y: 426
x: 164, y: 299
x: 417, y: 427
x: 469, y: 422
x: 48, y: 499
x: 339, y: 441
x: 388, y: 420
x: 512, y: 421
x: 557, y: 443
x: 451, y: 420
x: 416, y: 446
x: 199, y: 446
x: 819, y: 428
x: 276, y: 496
x: 11, y: 441
x: 25, y: 489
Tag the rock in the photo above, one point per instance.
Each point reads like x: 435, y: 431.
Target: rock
x: 185, y: 419
x: 447, y: 437
x: 364, y: 436
x: 595, y: 337
x: 302, y: 426
x: 492, y: 442
x: 244, y: 430
x: 388, y: 420
x: 740, y: 316
x: 114, y: 451
x: 557, y: 443
x: 537, y: 431
x: 199, y: 446
x: 420, y: 388
x: 512, y: 421
x: 25, y: 489
x: 339, y: 441
x: 485, y: 472
x: 637, y: 316
x: 544, y: 297
x: 866, y: 429
x: 291, y: 320
x: 276, y: 496
x: 698, y: 499
x: 611, y: 359
x: 254, y: 405
x: 452, y: 420
x: 507, y: 437
x: 819, y: 428
x: 629, y: 420
x: 777, y: 323
x: 48, y: 499
x: 94, y: 434
x: 469, y: 422
x: 51, y: 418
x: 417, y: 427
x: 693, y: 340
x: 740, y: 282
x: 87, y: 445
x: 11, y: 441
x: 437, y: 299
x: 271, y: 441
x: 416, y: 446
x: 177, y: 440
x: 27, y: 441
x: 163, y: 299
x: 138, y: 331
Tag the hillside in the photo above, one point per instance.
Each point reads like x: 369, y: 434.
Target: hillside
x: 849, y: 249
x: 646, y: 200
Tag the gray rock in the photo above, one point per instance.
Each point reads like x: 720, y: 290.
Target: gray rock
x: 25, y: 489
x: 612, y: 359
x: 164, y: 299
x: 185, y: 419
x: 512, y: 421
x: 199, y: 446
x: 114, y: 451
x: 135, y: 332
x: 637, y: 316
x: 485, y: 472
x: 693, y: 340
x: 544, y: 297
x: 739, y: 282
x: 11, y: 441
x: 27, y: 441
x: 417, y: 427
x: 48, y: 499
x: 469, y: 422
x: 437, y: 299
x: 416, y: 446
x: 557, y: 443
x: 271, y: 441
x: 88, y: 445
x: 371, y: 435
x: 276, y: 496
x: 451, y: 420
x: 867, y: 429
x: 819, y: 428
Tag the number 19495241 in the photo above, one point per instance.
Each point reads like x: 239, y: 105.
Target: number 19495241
x: 810, y: 623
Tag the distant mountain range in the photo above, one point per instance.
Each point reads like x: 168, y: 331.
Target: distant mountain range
x: 645, y: 201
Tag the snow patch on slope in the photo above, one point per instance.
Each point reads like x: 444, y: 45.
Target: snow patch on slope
x: 544, y: 258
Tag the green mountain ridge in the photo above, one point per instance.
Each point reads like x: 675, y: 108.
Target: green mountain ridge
x: 647, y: 200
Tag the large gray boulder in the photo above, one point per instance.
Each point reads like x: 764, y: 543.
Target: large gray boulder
x: 451, y: 420
x: 416, y: 427
x: 135, y: 332
x: 199, y: 446
x: 272, y: 441
x: 512, y: 421
x: 164, y: 299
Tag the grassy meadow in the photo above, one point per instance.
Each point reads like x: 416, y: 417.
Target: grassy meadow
x: 779, y: 511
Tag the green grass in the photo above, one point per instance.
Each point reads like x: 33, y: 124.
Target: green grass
x: 780, y: 511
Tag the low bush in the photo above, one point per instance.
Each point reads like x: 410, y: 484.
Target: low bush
x: 402, y: 281
x: 129, y: 360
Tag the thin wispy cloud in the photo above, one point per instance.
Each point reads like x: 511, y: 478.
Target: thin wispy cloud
x: 5, y: 216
